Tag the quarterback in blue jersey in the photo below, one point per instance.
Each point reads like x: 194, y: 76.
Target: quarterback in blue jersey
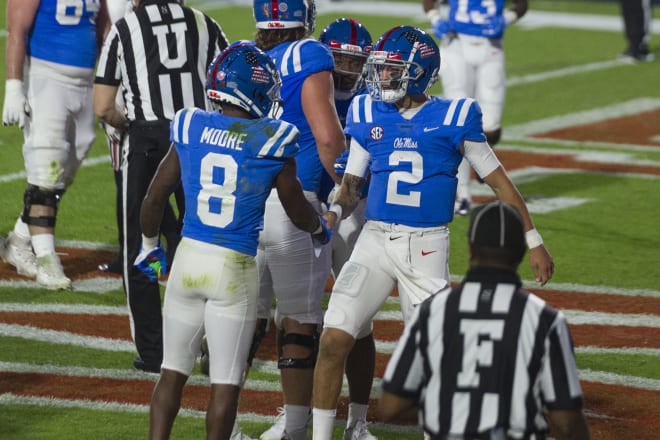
x: 473, y: 64
x: 292, y: 269
x: 410, y: 144
x: 52, y: 102
x: 227, y: 161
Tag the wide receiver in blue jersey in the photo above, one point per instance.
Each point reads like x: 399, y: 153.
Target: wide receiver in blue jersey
x: 228, y: 161
x: 52, y: 101
x: 473, y: 63
x: 410, y: 144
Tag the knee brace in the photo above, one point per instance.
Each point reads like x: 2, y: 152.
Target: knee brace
x: 259, y: 333
x: 37, y: 196
x: 309, y: 341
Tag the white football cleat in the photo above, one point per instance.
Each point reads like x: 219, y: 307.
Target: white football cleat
x: 276, y: 432
x: 50, y: 273
x: 358, y: 431
x: 18, y: 252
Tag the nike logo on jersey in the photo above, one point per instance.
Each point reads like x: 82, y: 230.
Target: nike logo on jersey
x: 427, y: 129
x: 425, y: 253
x: 395, y: 238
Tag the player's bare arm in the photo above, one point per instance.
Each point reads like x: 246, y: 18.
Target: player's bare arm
x: 20, y: 16
x: 106, y: 108
x: 540, y: 259
x: 319, y: 108
x: 346, y: 199
x: 290, y: 192
x: 163, y: 184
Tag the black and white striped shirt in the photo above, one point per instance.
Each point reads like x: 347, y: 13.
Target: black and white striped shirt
x: 160, y: 54
x: 485, y: 356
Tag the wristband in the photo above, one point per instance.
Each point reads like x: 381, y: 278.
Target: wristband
x: 149, y: 242
x: 510, y: 16
x: 14, y: 86
x: 433, y: 15
x: 533, y: 238
x: 338, y: 210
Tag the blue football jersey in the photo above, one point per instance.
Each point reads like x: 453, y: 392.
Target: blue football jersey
x: 477, y: 17
x: 65, y: 32
x: 228, y: 168
x: 413, y: 163
x: 289, y: 58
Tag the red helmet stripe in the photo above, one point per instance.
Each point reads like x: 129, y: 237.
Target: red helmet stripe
x: 274, y: 9
x: 386, y: 37
x: 354, y: 32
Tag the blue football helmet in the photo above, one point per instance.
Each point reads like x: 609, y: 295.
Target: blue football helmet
x: 350, y: 43
x: 405, y: 60
x: 245, y: 76
x: 285, y: 14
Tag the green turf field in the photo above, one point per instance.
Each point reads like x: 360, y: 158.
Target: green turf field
x: 609, y: 242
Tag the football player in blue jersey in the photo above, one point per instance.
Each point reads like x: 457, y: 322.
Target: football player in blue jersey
x: 291, y: 267
x: 228, y: 161
x: 473, y: 64
x: 52, y: 102
x: 410, y: 144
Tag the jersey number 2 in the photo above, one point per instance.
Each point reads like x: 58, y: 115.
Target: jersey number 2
x: 415, y: 175
x: 218, y: 192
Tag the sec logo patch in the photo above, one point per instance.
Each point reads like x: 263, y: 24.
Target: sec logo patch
x: 376, y: 132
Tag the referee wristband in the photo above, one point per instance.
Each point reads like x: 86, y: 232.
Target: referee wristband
x: 149, y: 242
x: 338, y: 210
x: 533, y: 238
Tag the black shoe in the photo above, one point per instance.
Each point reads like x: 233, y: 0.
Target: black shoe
x: 139, y: 364
x: 113, y: 267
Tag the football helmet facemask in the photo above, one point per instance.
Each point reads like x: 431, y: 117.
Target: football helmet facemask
x: 405, y: 60
x: 285, y: 14
x: 350, y: 43
x: 244, y: 76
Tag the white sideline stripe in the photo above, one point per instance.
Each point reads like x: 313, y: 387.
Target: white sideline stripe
x: 92, y: 161
x: 566, y: 71
x: 539, y: 126
x: 586, y: 155
x: 77, y: 309
x: 617, y: 379
x: 61, y: 337
x: 91, y: 285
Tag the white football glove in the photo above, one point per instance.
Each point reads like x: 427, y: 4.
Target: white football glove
x: 15, y: 107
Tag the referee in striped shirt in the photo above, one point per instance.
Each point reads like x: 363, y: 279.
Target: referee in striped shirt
x: 487, y: 360
x: 159, y: 55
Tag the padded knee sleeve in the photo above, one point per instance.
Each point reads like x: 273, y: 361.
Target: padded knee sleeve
x: 309, y: 341
x: 37, y: 196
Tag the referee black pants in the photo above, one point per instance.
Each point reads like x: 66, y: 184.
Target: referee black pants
x: 148, y: 144
x: 636, y: 20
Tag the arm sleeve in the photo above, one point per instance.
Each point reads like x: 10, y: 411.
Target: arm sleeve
x: 358, y: 160
x: 481, y: 157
